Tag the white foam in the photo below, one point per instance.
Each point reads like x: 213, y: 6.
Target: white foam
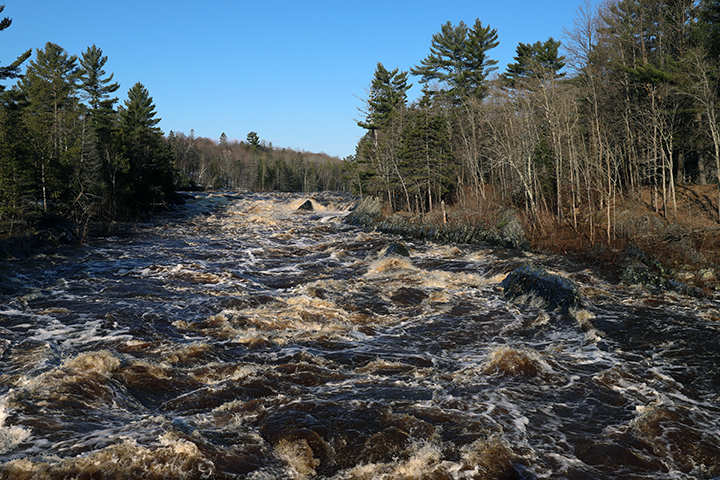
x: 521, y: 424
x: 10, y: 436
x: 82, y: 333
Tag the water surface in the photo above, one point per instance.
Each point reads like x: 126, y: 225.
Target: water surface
x: 239, y: 338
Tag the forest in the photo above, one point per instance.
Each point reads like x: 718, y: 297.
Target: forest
x: 253, y: 165
x: 70, y: 150
x: 627, y: 104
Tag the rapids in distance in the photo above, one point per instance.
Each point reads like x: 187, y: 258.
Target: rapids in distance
x: 238, y: 337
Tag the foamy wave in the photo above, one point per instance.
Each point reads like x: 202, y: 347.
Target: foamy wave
x: 175, y: 458
x: 10, y: 436
x: 488, y: 458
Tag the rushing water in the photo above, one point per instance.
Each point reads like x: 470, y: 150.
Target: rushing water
x: 243, y: 339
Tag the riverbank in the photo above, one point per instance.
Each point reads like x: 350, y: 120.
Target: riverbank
x: 41, y: 234
x: 46, y: 232
x: 678, y: 251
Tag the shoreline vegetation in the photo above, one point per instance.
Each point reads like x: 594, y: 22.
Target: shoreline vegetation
x: 681, y: 256
x: 647, y: 250
x: 606, y: 146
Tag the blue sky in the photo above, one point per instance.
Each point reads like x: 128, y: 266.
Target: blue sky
x: 295, y: 72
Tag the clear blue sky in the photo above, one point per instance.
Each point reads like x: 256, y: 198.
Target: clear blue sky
x: 295, y: 71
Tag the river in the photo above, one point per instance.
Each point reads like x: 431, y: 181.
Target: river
x: 240, y: 338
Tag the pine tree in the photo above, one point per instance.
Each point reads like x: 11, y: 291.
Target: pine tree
x: 14, y: 158
x: 253, y: 140
x: 12, y: 146
x: 50, y: 86
x: 458, y: 61
x: 426, y: 155
x: 12, y: 70
x: 388, y: 90
x: 150, y: 179
x: 384, y: 113
x: 537, y: 62
x: 709, y: 28
x: 100, y: 160
x: 93, y: 82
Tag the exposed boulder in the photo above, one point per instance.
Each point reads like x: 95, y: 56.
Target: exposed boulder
x: 508, y: 232
x: 409, y: 296
x: 534, y: 286
x: 635, y: 223
x: 511, y: 231
x: 397, y: 248
x: 647, y: 271
x: 47, y: 233
x: 307, y: 206
x: 365, y: 213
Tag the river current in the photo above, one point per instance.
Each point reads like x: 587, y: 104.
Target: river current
x: 241, y: 338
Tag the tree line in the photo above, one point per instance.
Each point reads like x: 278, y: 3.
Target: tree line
x: 253, y: 165
x: 67, y: 148
x: 70, y: 148
x: 628, y: 102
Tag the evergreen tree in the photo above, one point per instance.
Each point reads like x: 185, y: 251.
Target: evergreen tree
x: 50, y: 87
x: 13, y: 159
x: 12, y: 146
x: 458, y: 61
x: 538, y: 61
x: 709, y: 28
x: 99, y: 154
x: 384, y: 114
x: 150, y: 179
x: 12, y: 70
x: 388, y: 90
x: 426, y: 155
x: 93, y: 82
x: 253, y: 140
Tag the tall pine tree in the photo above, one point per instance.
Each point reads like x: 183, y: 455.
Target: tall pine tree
x: 458, y: 61
x: 50, y: 86
x: 535, y: 62
x: 150, y: 179
x: 100, y: 155
x: 384, y: 113
x: 12, y: 70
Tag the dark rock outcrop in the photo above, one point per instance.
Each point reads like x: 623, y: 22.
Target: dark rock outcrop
x: 365, y: 213
x: 508, y: 232
x: 646, y: 270
x: 631, y: 224
x: 397, y: 248
x: 307, y: 206
x: 48, y: 232
x: 534, y: 286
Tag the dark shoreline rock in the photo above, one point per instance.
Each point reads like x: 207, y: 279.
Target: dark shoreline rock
x: 397, y: 248
x: 508, y: 232
x: 365, y: 213
x: 48, y: 233
x: 645, y: 270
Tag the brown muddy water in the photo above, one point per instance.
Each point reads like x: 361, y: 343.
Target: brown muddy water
x: 239, y: 338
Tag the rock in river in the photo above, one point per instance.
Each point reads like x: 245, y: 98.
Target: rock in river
x: 307, y: 206
x: 397, y: 248
x: 533, y: 285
